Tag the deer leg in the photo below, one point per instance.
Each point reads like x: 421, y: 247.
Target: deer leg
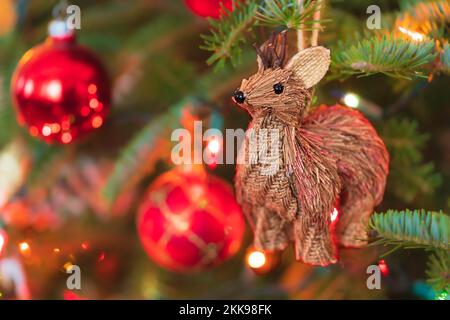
x: 352, y: 226
x: 270, y: 230
x: 313, y: 241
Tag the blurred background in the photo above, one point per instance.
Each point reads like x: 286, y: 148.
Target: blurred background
x: 65, y: 203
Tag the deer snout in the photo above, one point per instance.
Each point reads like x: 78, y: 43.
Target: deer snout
x: 239, y: 96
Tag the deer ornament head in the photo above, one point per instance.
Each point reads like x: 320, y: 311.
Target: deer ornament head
x: 279, y: 87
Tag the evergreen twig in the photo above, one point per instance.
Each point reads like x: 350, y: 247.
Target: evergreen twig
x: 287, y: 14
x: 388, y: 54
x: 141, y: 154
x: 438, y: 270
x: 409, y: 176
x: 227, y: 34
x: 417, y: 228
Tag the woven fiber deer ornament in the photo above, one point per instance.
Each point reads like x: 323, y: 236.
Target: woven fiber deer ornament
x: 327, y: 155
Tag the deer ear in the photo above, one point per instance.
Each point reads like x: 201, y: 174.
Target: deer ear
x: 310, y: 65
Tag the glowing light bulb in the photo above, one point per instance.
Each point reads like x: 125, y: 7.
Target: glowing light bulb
x: 24, y: 248
x: 442, y: 296
x: 68, y: 266
x: 256, y: 259
x: 383, y: 267
x: 351, y: 100
x: 214, y: 146
x: 416, y: 36
x: 85, y: 245
x: 334, y: 214
x: 101, y: 257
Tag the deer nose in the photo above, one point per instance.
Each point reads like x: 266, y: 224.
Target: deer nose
x: 239, y: 96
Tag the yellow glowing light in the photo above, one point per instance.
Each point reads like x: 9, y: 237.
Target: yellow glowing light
x: 416, y: 36
x: 68, y: 266
x: 334, y: 214
x: 55, y: 127
x: 351, y: 100
x: 214, y: 146
x: 256, y: 259
x: 56, y: 250
x: 24, y: 248
x: 97, y: 122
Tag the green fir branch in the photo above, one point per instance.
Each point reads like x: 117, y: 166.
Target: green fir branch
x: 407, y: 183
x: 438, y: 271
x: 387, y: 54
x: 141, y: 154
x: 409, y: 176
x: 412, y: 229
x: 403, y: 140
x: 228, y: 33
x: 287, y: 14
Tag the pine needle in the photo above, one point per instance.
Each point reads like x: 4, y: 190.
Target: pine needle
x: 418, y: 228
x: 409, y: 176
x: 438, y: 270
x: 228, y: 33
x: 140, y: 155
x: 287, y: 14
x: 388, y: 54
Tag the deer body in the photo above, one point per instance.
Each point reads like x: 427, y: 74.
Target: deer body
x: 289, y: 184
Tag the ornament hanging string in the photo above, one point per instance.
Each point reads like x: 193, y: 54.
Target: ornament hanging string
x: 316, y: 26
x: 300, y: 35
x: 60, y: 9
x: 315, y: 30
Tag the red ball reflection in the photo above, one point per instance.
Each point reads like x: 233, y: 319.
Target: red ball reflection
x: 60, y: 90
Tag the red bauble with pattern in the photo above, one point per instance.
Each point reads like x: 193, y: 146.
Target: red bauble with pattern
x: 190, y: 221
x: 60, y: 90
x: 208, y: 8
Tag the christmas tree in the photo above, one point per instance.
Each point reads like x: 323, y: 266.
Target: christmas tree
x: 117, y: 158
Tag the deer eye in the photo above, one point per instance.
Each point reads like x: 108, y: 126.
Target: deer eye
x: 239, y: 96
x: 278, y: 88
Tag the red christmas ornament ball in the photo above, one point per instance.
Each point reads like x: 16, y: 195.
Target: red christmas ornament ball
x: 190, y: 221
x: 60, y: 90
x: 208, y: 8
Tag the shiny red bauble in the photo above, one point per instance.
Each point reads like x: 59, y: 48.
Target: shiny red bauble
x: 60, y: 90
x: 208, y: 8
x: 190, y: 221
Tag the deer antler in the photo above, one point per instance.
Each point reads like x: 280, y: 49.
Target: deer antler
x: 273, y: 52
